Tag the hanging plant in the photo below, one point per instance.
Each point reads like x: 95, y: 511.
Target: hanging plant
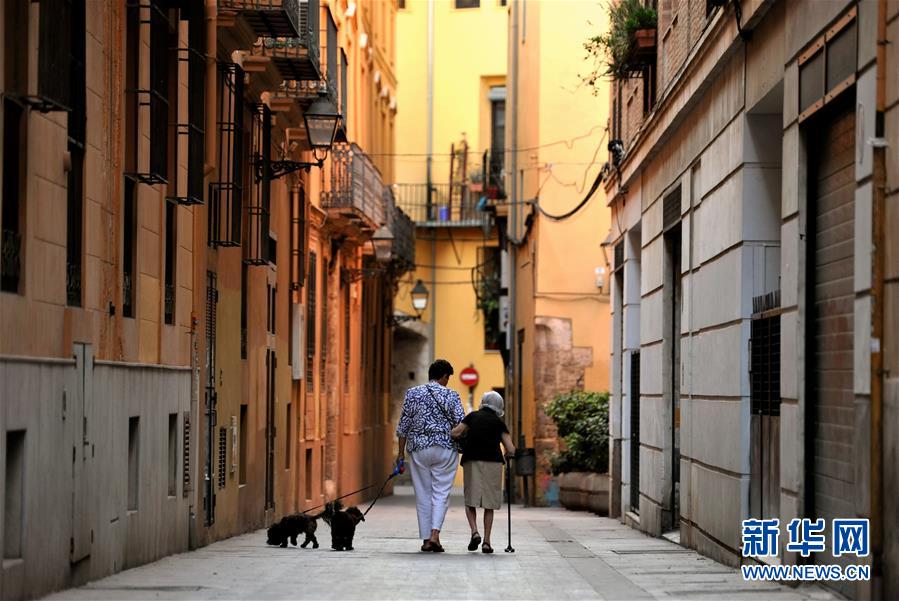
x: 624, y: 48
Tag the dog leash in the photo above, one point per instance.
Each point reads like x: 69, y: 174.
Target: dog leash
x: 397, y: 470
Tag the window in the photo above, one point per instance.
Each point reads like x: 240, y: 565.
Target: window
x: 14, y: 505
x: 497, y: 99
x: 489, y: 292
x: 15, y: 126
x: 827, y: 67
x: 764, y: 369
x: 288, y: 439
x: 133, y: 462
x: 297, y: 238
x: 243, y: 311
x: 310, y: 320
x: 185, y: 454
x: 129, y: 251
x: 171, y: 259
x: 331, y: 50
x: 347, y: 338
x: 222, y: 457
x: 173, y: 454
x: 54, y: 46
x: 227, y: 192
x: 468, y: 3
x: 308, y: 474
x: 344, y: 88
x: 323, y: 354
x: 244, y: 434
x: 77, y: 135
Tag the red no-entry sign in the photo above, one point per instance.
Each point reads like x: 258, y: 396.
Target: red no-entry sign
x: 469, y: 376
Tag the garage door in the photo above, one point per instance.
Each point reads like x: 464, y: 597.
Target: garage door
x: 832, y: 191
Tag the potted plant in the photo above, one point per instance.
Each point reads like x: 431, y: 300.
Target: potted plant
x: 629, y: 44
x: 582, y: 420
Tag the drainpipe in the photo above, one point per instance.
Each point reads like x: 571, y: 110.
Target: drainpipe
x: 513, y: 236
x: 877, y: 301
x: 430, y: 204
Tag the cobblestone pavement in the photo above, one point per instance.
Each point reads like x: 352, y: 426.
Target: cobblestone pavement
x: 559, y: 555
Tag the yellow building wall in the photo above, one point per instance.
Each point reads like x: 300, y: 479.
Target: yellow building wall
x: 469, y: 53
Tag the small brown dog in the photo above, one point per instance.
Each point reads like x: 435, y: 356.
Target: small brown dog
x: 292, y: 526
x: 343, y: 524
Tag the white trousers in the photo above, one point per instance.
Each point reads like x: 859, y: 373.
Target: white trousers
x: 433, y: 471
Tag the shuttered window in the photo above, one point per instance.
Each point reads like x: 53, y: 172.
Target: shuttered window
x: 310, y: 320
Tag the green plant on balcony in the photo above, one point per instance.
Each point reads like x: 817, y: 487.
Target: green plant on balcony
x: 627, y: 46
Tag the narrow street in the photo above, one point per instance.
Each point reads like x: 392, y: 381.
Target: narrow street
x: 558, y: 555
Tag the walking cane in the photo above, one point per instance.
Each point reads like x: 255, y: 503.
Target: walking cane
x: 509, y: 549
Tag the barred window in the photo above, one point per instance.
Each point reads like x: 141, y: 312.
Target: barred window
x: 222, y: 456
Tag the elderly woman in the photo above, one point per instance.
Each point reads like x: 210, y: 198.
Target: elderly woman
x: 482, y: 464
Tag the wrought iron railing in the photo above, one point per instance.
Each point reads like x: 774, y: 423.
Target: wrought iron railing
x: 447, y: 204
x: 10, y: 260
x: 356, y: 185
x: 273, y: 18
x: 296, y: 58
x: 403, y: 230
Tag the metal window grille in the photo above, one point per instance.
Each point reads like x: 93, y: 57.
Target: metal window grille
x: 764, y: 366
x: 191, y: 135
x: 152, y: 169
x: 185, y: 454
x: 635, y: 432
x: 211, y: 396
x: 226, y: 193
x: 258, y: 210
x: 222, y: 457
x: 310, y: 320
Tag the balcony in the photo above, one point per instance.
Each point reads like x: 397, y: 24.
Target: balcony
x: 356, y: 198
x: 296, y: 58
x: 267, y: 18
x: 403, y: 230
x: 448, y: 205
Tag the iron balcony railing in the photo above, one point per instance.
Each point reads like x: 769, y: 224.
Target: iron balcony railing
x: 403, y: 240
x: 296, y: 57
x: 271, y: 18
x: 447, y: 205
x: 357, y: 191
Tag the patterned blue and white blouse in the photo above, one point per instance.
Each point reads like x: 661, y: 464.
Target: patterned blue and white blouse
x: 423, y: 423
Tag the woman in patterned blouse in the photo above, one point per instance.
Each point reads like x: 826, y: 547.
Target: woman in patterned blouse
x: 430, y: 411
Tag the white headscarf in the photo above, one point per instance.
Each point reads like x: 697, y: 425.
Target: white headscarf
x: 493, y: 401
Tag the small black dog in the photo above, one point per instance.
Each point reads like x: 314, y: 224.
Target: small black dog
x: 343, y: 524
x: 291, y: 526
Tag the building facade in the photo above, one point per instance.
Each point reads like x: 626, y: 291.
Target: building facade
x: 448, y: 179
x: 555, y: 219
x: 750, y: 156
x: 194, y: 330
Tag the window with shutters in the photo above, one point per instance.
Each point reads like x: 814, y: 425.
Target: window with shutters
x: 297, y: 238
x: 185, y: 455
x: 331, y: 53
x: 222, y: 457
x: 310, y: 321
x: 323, y: 354
x: 347, y: 338
x: 226, y: 193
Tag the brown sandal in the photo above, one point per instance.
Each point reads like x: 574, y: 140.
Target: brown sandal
x: 486, y: 548
x: 432, y: 547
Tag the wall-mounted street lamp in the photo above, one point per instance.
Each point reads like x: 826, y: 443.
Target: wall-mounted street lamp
x: 382, y: 240
x: 321, y: 120
x: 420, y: 296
